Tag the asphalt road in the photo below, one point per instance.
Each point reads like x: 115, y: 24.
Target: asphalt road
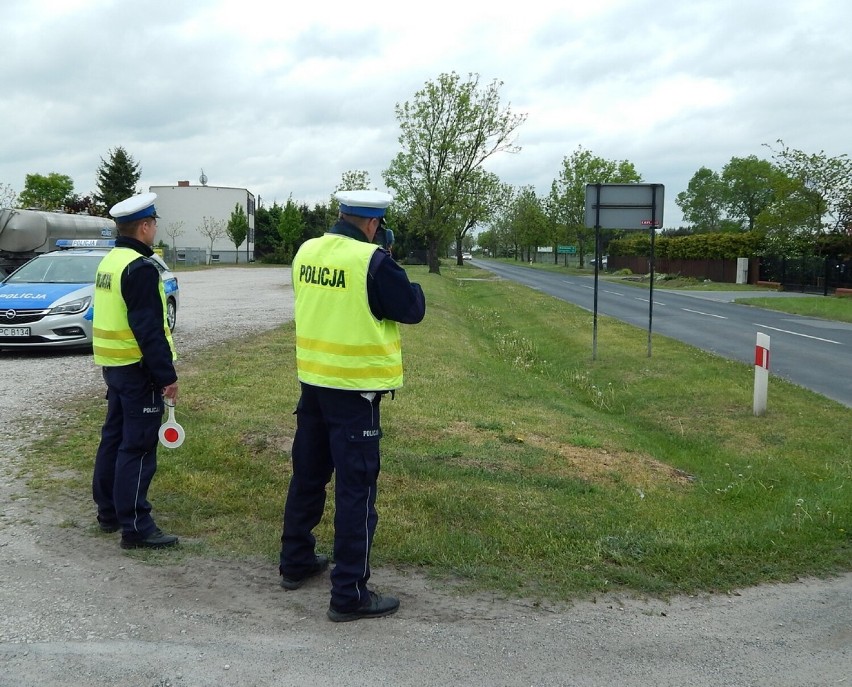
x: 813, y: 353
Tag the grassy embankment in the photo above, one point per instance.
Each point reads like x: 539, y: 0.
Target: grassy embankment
x: 511, y: 460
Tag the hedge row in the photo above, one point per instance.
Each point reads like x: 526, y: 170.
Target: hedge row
x: 749, y: 244
x: 693, y: 247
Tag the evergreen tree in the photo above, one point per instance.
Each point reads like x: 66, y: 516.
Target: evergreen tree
x: 117, y: 178
x: 266, y: 238
x: 316, y: 220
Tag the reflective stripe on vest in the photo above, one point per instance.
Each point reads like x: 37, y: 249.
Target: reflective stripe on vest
x: 113, y: 342
x: 339, y: 342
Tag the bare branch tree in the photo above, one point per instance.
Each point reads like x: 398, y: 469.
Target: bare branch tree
x: 213, y: 229
x: 8, y: 197
x: 173, y: 230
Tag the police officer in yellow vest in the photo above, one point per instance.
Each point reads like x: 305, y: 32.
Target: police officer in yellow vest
x: 350, y: 295
x: 133, y: 343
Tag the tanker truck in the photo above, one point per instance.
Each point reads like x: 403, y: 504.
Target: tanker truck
x: 26, y: 233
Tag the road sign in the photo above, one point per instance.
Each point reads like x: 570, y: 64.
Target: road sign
x: 624, y: 206
x: 567, y: 250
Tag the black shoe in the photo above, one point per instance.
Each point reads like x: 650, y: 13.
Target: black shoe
x: 155, y: 540
x: 108, y: 527
x: 378, y: 607
x: 320, y: 564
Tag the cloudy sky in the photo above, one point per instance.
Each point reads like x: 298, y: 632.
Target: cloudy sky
x: 282, y: 98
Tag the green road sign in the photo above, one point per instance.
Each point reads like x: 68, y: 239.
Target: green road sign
x: 569, y: 250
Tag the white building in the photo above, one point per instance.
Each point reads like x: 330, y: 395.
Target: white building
x: 188, y: 207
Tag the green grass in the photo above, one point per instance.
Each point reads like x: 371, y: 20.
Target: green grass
x: 513, y: 462
x: 663, y: 281
x: 825, y: 307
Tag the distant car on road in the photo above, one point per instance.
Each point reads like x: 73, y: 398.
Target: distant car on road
x: 47, y: 302
x: 467, y: 256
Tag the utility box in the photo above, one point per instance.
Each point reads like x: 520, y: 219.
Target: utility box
x: 742, y: 270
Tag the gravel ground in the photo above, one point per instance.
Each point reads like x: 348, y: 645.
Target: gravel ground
x: 78, y: 611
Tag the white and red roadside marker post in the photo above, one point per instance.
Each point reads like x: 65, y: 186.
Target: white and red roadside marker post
x: 761, y: 373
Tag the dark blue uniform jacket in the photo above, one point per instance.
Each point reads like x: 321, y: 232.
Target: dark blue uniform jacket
x: 390, y: 294
x: 140, y: 288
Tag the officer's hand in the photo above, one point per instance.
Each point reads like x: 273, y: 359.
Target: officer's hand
x: 170, y: 392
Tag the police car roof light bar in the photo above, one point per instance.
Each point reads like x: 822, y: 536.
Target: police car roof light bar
x: 85, y: 243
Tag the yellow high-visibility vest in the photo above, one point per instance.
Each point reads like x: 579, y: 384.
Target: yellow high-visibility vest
x: 339, y: 342
x: 113, y: 342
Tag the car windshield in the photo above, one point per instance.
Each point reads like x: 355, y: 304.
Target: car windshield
x: 58, y: 269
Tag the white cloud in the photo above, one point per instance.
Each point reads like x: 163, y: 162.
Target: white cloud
x: 282, y: 99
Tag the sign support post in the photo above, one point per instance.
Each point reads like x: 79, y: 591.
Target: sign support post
x: 624, y: 206
x: 597, y: 261
x: 653, y: 224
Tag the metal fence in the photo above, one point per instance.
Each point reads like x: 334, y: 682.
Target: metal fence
x: 724, y: 271
x: 807, y: 274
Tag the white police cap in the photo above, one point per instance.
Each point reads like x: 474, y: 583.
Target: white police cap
x: 135, y: 207
x: 363, y: 203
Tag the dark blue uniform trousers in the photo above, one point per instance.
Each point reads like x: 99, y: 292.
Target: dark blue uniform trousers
x: 127, y: 455
x: 336, y: 431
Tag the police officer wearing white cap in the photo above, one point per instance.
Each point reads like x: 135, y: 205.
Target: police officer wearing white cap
x: 350, y: 295
x: 132, y: 341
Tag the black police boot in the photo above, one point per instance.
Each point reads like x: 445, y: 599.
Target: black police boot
x: 377, y: 607
x: 156, y: 540
x: 108, y: 527
x: 294, y: 582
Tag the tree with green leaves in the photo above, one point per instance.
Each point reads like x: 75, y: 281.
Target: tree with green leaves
x: 449, y: 129
x: 487, y: 240
x: 566, y: 205
x: 529, y: 222
x: 478, y: 202
x: 749, y: 188
x: 703, y: 202
x: 117, y: 178
x: 500, y: 239
x: 351, y: 180
x: 315, y: 221
x: 46, y: 192
x: 816, y: 195
x: 84, y: 205
x: 237, y: 228
x: 290, y: 227
x: 789, y: 221
x: 266, y: 238
x: 354, y: 180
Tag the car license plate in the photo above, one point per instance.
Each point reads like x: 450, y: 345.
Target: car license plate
x: 14, y: 331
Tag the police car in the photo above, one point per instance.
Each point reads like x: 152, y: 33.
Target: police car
x: 47, y: 302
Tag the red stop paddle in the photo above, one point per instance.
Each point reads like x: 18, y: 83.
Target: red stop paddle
x: 171, y: 433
